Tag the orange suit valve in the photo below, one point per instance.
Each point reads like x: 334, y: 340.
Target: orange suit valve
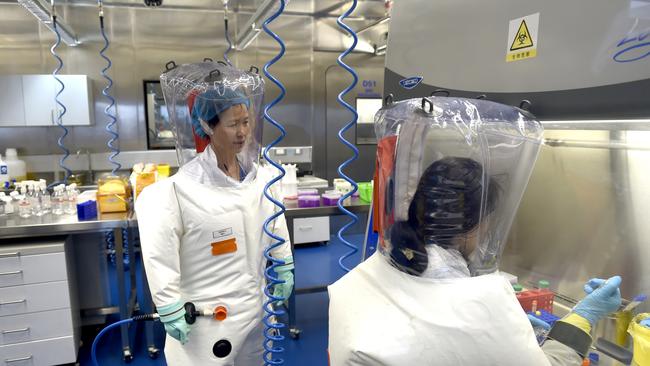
x: 220, y: 313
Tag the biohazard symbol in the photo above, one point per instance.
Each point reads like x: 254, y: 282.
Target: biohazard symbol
x: 522, y: 38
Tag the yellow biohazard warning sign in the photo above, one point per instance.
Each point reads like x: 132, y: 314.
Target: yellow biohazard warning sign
x: 522, y: 38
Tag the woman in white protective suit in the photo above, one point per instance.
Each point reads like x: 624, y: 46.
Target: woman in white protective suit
x: 450, y: 175
x: 201, y: 229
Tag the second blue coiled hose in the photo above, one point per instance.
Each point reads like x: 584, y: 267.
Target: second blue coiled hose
x: 61, y: 109
x: 108, y: 111
x: 353, y: 217
x: 272, y: 328
x: 109, y: 237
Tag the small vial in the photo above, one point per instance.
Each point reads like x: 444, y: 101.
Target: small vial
x: 37, y: 208
x: 46, y: 201
x: 24, y: 206
x: 70, y: 206
x: 533, y: 307
x: 58, y: 200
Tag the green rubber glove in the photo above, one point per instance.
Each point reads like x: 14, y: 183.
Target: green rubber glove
x: 285, y: 274
x: 173, y: 318
x: 604, y: 298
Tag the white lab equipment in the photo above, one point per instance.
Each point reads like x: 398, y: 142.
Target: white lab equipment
x: 290, y: 181
x: 4, y: 172
x: 16, y: 168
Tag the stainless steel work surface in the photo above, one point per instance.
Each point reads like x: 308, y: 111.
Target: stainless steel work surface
x: 14, y: 226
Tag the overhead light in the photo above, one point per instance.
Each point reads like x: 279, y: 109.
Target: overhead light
x: 381, y: 50
x: 45, y: 17
x: 254, y: 25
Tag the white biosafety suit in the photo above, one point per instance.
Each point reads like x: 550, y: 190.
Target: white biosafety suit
x: 380, y: 316
x: 188, y: 224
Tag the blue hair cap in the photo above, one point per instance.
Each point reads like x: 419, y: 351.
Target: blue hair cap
x: 210, y: 104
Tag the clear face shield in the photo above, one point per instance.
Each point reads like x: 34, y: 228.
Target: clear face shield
x: 450, y: 175
x: 213, y: 103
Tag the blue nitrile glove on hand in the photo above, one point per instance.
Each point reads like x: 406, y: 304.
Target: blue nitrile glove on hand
x: 645, y: 322
x: 173, y: 318
x: 538, y: 323
x: 603, y: 298
x: 284, y: 274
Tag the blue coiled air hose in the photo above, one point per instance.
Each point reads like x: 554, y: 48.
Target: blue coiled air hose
x: 272, y: 325
x: 61, y: 109
x: 108, y: 111
x: 354, y: 218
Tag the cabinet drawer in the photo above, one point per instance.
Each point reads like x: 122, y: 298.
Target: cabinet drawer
x: 23, y: 270
x: 34, y: 298
x: 35, y: 326
x: 311, y: 229
x: 53, y: 351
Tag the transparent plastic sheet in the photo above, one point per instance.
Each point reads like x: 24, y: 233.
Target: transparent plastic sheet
x: 450, y: 175
x: 200, y: 95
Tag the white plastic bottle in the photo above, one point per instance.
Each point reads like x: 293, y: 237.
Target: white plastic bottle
x: 46, y: 201
x: 15, y: 167
x: 58, y: 200
x: 71, y: 199
x: 25, y: 205
x: 4, y: 172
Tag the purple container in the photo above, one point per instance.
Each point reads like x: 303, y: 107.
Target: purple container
x: 308, y: 192
x: 330, y: 199
x: 308, y: 201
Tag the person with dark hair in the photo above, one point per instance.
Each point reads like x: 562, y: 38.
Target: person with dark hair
x: 450, y: 175
x: 445, y: 211
x: 444, y: 229
x: 202, y: 228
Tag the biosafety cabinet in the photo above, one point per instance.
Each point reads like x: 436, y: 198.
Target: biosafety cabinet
x: 29, y: 100
x: 39, y: 315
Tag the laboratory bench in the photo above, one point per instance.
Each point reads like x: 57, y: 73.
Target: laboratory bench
x: 21, y: 236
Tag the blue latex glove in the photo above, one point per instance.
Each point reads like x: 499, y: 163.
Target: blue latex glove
x: 284, y: 274
x: 604, y: 298
x: 538, y: 323
x: 645, y: 322
x: 173, y: 318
